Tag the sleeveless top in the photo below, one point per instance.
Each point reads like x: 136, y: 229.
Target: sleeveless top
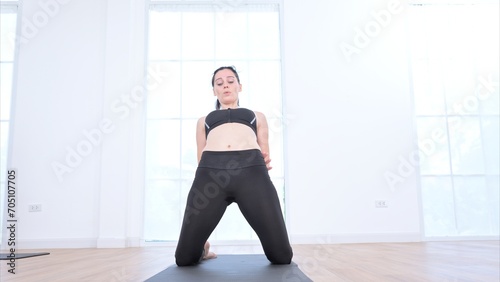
x: 239, y: 115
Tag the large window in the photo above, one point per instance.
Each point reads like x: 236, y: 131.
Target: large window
x: 189, y: 41
x: 8, y: 22
x: 455, y: 70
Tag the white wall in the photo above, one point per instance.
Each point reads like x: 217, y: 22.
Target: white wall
x: 80, y: 62
x: 60, y: 79
x: 348, y: 123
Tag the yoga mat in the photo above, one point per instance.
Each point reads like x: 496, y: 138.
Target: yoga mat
x: 231, y: 268
x: 8, y: 256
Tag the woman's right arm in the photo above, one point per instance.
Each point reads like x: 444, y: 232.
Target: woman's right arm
x: 201, y: 140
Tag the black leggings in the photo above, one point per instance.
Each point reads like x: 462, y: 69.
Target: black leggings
x: 223, y: 178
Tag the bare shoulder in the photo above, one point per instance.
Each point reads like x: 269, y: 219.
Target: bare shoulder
x: 261, y: 121
x: 200, y: 125
x: 259, y: 115
x: 201, y: 120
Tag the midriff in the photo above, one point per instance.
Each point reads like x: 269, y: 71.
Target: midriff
x: 231, y: 137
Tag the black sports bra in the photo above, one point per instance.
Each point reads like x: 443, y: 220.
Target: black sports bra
x: 239, y: 115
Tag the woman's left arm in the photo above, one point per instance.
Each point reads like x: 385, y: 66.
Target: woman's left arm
x: 263, y: 138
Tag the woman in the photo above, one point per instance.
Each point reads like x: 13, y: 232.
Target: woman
x: 233, y: 164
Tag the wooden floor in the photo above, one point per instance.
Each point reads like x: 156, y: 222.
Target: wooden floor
x: 429, y: 261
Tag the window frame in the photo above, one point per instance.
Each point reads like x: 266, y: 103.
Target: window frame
x: 279, y: 116
x: 455, y: 178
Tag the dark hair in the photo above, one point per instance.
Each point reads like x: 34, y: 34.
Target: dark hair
x: 233, y: 69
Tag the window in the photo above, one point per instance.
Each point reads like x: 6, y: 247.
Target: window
x: 188, y: 42
x: 454, y: 53
x: 8, y: 22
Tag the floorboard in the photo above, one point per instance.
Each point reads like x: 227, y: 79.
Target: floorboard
x: 421, y: 261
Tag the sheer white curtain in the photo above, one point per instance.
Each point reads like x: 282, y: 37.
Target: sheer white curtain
x: 189, y: 41
x: 455, y: 68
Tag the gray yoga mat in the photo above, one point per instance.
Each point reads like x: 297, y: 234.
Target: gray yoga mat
x: 231, y: 268
x: 8, y: 256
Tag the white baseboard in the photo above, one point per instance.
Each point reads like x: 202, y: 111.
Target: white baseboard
x: 317, y: 239
x: 462, y: 238
x: 119, y: 242
x: 65, y: 243
x: 355, y: 238
x: 213, y: 242
x: 76, y: 243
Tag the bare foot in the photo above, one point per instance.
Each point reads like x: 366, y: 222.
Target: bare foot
x: 208, y: 254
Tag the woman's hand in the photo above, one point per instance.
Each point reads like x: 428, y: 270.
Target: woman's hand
x: 267, y: 159
x: 263, y: 138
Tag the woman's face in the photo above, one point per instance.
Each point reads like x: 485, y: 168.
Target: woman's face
x: 226, y: 87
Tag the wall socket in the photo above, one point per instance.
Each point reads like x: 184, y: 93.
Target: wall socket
x: 381, y: 204
x: 35, y: 208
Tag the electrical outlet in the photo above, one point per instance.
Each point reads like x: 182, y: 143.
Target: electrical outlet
x: 35, y: 208
x: 381, y: 204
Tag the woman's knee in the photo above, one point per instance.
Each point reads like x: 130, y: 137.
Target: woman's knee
x: 284, y: 257
x: 185, y: 260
